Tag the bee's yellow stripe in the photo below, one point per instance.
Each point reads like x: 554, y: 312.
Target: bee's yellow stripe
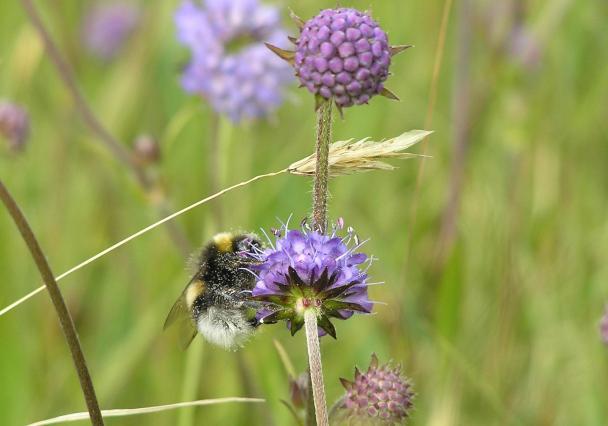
x: 193, y: 291
x: 223, y: 241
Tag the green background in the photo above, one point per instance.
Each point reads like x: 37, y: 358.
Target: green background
x: 495, y: 323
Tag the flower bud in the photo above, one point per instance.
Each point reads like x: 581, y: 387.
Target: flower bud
x: 380, y: 396
x: 14, y: 125
x: 146, y: 150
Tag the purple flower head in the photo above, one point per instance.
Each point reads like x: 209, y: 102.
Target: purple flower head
x: 14, y: 125
x: 380, y: 396
x: 308, y: 270
x: 230, y: 66
x: 342, y: 54
x: 107, y: 26
x: 604, y: 327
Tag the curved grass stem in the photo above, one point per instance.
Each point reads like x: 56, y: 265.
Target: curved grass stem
x: 67, y: 324
x: 138, y: 234
x: 122, y: 155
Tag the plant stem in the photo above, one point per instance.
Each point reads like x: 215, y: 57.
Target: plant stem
x: 191, y: 381
x: 319, y: 223
x: 123, y: 156
x: 66, y: 74
x: 310, y: 405
x: 319, y: 200
x: 67, y: 324
x: 316, y: 368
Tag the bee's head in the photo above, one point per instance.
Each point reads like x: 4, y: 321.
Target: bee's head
x: 246, y: 243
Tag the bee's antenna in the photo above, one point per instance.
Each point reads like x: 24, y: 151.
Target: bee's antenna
x: 267, y: 238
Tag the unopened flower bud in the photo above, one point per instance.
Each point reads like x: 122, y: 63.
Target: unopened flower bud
x: 146, y: 150
x: 14, y: 125
x: 380, y: 396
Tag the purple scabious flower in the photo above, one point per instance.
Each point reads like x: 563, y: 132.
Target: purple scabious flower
x: 604, y: 327
x: 380, y: 396
x: 342, y: 54
x: 308, y: 270
x: 107, y: 26
x: 230, y: 66
x: 14, y: 125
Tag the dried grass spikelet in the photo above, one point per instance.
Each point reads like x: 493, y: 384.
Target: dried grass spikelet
x: 347, y: 157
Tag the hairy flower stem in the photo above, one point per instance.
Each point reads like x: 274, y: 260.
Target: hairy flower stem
x: 316, y: 368
x: 319, y: 219
x: 319, y: 200
x: 67, y: 324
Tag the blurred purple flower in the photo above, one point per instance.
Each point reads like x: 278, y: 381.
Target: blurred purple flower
x: 308, y: 270
x: 525, y: 48
x: 230, y: 66
x: 107, y: 26
x: 14, y: 125
x: 380, y: 396
x: 604, y: 327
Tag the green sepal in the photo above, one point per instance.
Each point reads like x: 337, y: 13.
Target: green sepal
x: 332, y: 306
x: 297, y: 322
x: 334, y: 292
x: 324, y: 323
x: 281, y: 314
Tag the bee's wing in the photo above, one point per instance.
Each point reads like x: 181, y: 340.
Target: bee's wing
x: 182, y: 317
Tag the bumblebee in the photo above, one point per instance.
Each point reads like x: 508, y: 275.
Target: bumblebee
x: 214, y: 302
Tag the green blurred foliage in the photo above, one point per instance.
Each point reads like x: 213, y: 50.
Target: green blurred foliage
x: 502, y: 329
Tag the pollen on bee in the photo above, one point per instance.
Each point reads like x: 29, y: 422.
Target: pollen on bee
x: 194, y: 290
x: 223, y: 241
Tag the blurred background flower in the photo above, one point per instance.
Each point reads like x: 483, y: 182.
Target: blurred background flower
x: 604, y: 327
x: 229, y: 64
x: 14, y: 125
x: 146, y: 150
x: 107, y: 26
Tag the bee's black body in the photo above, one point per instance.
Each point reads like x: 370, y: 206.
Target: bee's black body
x: 216, y: 299
x: 227, y: 283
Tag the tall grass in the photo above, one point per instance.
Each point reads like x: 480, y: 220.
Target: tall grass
x: 505, y: 334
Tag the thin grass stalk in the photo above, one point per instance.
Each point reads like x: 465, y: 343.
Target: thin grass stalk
x: 461, y: 112
x: 138, y: 234
x: 428, y: 122
x: 123, y: 412
x: 67, y: 75
x: 67, y: 324
x: 191, y: 381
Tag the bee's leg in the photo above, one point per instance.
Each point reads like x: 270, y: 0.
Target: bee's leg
x: 254, y: 322
x: 252, y: 304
